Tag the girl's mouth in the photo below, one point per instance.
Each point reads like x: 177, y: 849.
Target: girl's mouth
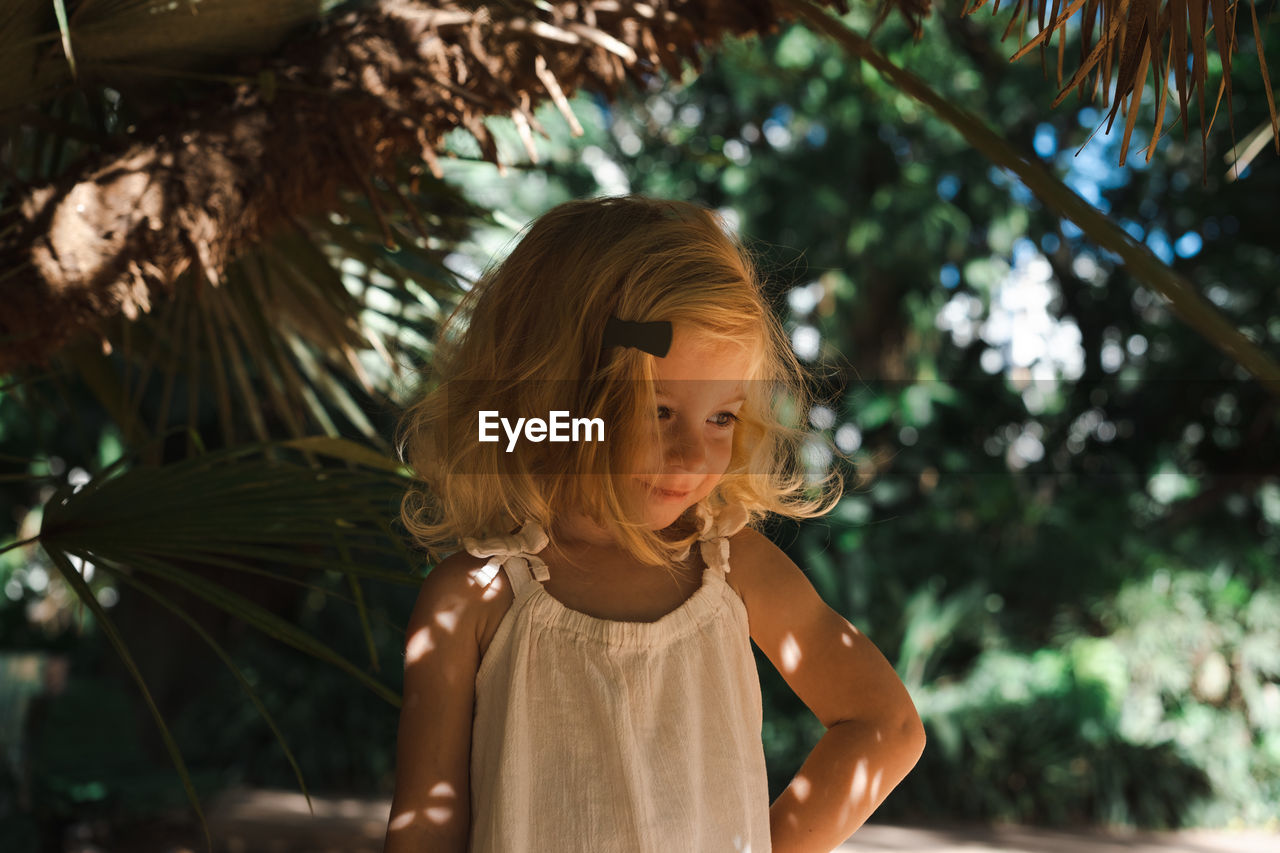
x: 665, y: 493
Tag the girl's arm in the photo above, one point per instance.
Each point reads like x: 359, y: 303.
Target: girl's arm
x: 874, y: 735
x: 431, y: 808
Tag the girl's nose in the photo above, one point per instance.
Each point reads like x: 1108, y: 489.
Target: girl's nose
x: 686, y: 446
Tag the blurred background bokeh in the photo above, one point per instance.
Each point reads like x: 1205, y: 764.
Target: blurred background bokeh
x: 1062, y: 520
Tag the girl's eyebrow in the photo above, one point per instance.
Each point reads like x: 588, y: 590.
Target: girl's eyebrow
x: 741, y: 398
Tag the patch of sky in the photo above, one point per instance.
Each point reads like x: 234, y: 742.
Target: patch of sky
x: 464, y: 267
x: 732, y: 219
x: 1110, y: 257
x: 628, y: 141
x: 602, y: 104
x: 661, y: 109
x: 736, y: 151
x: 806, y: 342
x: 1088, y: 190
x: 816, y: 136
x: 1158, y: 242
x: 805, y: 298
x: 1088, y: 118
x: 776, y: 133
x: 608, y: 174
x: 1046, y: 140
x: 1133, y: 229
x: 1024, y: 251
x: 848, y: 438
x: 1070, y: 230
x: 1092, y: 169
x: 1010, y: 182
x: 822, y: 417
x: 959, y: 316
x: 948, y: 186
x: 949, y: 275
x: 690, y: 115
x: 1022, y: 335
x: 1050, y: 243
x: 1188, y: 245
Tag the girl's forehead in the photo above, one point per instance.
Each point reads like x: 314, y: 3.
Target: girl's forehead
x: 717, y: 364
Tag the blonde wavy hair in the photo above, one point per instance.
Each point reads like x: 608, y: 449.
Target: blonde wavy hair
x: 527, y: 338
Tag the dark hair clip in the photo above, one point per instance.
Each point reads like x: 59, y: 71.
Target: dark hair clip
x: 653, y: 338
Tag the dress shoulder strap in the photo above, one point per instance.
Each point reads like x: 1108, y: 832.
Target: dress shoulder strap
x: 516, y: 553
x: 716, y: 530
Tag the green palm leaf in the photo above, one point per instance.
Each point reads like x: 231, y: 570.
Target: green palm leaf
x: 244, y: 509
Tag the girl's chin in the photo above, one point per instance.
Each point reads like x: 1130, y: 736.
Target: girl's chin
x: 660, y: 518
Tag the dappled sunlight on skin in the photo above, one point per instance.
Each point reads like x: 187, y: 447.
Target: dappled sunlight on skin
x: 872, y: 734
x: 442, y: 799
x: 419, y: 644
x: 849, y: 795
x: 790, y: 654
x: 431, y: 810
x: 440, y: 814
x: 863, y: 789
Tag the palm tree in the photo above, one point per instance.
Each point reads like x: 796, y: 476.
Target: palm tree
x: 189, y: 186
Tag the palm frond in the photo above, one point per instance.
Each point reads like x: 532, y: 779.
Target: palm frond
x: 387, y: 81
x: 1137, y: 38
x: 42, y: 48
x: 251, y: 502
x: 249, y: 510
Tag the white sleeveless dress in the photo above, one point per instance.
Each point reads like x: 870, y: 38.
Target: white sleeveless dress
x: 597, y: 736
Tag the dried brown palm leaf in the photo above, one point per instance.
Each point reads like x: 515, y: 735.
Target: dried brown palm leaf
x: 201, y: 183
x: 1137, y: 37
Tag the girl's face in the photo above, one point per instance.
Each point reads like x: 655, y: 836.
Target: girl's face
x: 699, y: 390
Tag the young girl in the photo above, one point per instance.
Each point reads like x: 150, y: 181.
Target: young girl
x: 580, y: 677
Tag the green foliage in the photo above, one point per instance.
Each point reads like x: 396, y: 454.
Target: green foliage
x: 1070, y: 566
x: 343, y: 740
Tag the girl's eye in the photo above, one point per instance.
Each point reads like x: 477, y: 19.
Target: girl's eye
x: 732, y: 419
x: 720, y: 418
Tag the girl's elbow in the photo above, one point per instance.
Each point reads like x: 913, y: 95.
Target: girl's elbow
x: 914, y: 737
x: 911, y: 735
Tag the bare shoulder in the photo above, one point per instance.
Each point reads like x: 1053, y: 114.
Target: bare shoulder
x: 460, y: 592
x: 755, y: 563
